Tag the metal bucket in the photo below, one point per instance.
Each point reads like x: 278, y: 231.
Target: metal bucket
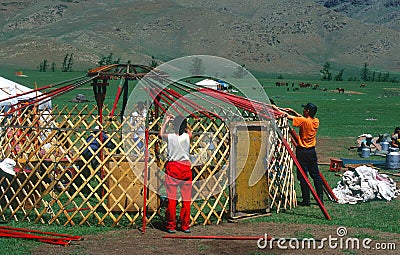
x: 393, y: 160
x: 365, y: 152
x: 385, y: 145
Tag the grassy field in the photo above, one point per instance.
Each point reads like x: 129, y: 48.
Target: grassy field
x: 371, y: 109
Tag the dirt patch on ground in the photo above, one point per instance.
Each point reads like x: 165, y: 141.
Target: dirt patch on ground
x: 348, y: 92
x: 327, y: 147
x: 353, y: 92
x: 124, y: 242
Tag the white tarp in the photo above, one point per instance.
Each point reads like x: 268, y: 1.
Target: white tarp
x: 364, y: 184
x: 10, y: 88
x: 208, y: 83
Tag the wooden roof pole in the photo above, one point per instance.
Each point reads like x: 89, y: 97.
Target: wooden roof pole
x: 100, y: 90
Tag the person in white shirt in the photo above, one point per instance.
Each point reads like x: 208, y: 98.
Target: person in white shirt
x: 178, y: 172
x: 138, y: 121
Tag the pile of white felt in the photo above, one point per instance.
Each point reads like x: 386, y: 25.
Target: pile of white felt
x: 364, y: 184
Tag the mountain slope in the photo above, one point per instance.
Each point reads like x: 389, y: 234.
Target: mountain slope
x: 273, y: 36
x: 381, y: 12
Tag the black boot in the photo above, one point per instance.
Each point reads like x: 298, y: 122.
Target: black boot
x: 305, y: 191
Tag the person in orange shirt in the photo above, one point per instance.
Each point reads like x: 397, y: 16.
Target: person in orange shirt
x: 305, y: 150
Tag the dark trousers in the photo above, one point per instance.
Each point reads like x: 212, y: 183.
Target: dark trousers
x: 307, y: 158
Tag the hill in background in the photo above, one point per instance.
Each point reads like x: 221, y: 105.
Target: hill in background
x: 279, y: 36
x: 380, y: 12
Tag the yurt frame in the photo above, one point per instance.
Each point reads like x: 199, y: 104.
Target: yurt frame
x: 55, y: 183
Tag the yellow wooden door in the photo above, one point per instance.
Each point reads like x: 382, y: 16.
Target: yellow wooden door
x: 249, y: 188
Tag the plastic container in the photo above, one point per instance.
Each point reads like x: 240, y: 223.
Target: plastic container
x: 393, y: 160
x: 365, y: 152
x: 385, y: 145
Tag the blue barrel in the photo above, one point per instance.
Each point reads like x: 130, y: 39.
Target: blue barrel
x: 365, y: 152
x: 385, y: 145
x: 393, y: 160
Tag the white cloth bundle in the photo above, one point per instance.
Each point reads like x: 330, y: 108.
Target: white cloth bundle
x: 364, y: 184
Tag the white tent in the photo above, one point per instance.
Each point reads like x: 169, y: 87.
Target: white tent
x: 10, y: 88
x: 208, y: 83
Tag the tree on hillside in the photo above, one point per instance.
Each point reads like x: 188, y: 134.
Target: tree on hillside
x: 67, y: 63
x: 108, y: 60
x: 197, y: 67
x: 365, y: 72
x: 43, y: 65
x: 70, y: 63
x: 326, y: 72
x: 153, y: 62
x: 385, y: 77
x: 53, y: 67
x: 339, y: 75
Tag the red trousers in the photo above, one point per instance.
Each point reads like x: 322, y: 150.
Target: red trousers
x: 178, y: 174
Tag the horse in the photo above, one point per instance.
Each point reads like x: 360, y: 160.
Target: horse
x: 340, y: 90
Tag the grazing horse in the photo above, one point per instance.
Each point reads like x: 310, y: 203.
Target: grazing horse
x: 340, y: 90
x: 280, y: 83
x: 304, y: 85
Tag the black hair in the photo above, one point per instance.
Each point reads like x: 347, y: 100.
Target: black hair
x: 397, y: 129
x: 312, y: 112
x: 140, y: 106
x: 180, y: 125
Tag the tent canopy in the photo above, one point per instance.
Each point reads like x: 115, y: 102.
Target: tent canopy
x: 10, y: 88
x: 208, y: 83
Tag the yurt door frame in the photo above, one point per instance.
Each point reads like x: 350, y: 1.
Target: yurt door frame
x: 249, y: 182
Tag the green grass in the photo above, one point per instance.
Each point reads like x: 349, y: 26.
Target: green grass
x: 342, y: 116
x: 377, y: 215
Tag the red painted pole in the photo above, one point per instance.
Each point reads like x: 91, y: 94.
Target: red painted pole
x: 220, y: 237
x: 44, y: 97
x: 39, y: 89
x: 116, y: 101
x: 167, y: 101
x: 47, y: 239
x: 328, y: 188
x: 41, y: 232
x: 145, y: 174
x: 301, y: 171
x: 295, y: 137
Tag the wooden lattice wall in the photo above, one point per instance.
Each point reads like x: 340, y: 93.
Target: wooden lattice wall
x: 55, y: 183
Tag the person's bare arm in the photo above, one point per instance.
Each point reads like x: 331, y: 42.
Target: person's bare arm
x: 162, y: 133
x: 189, y: 132
x: 288, y: 112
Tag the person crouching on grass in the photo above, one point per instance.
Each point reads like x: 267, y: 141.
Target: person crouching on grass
x: 305, y: 150
x: 178, y: 172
